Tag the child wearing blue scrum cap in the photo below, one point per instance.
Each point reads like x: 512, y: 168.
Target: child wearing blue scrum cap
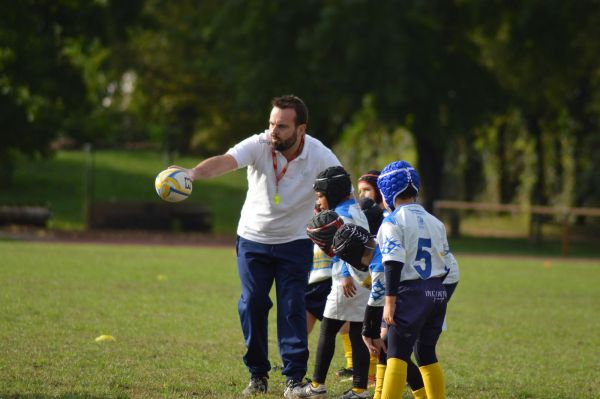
x: 416, y: 259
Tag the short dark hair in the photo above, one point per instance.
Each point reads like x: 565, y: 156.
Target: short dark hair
x: 291, y: 101
x: 410, y: 192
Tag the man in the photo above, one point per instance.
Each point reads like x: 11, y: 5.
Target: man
x: 416, y: 260
x: 272, y: 244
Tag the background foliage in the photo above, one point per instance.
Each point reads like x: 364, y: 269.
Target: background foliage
x: 493, y: 100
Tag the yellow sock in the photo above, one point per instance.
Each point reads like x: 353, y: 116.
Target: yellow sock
x: 347, y: 350
x: 420, y: 393
x: 358, y: 390
x: 433, y: 378
x: 315, y: 384
x: 379, y: 381
x: 394, y: 379
x: 372, y: 366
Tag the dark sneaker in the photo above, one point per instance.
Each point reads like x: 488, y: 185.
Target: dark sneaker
x: 308, y: 391
x: 257, y: 385
x: 350, y: 394
x: 345, y: 372
x: 292, y: 388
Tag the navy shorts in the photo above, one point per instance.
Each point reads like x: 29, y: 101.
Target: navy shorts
x: 420, y: 312
x: 449, y: 289
x: 316, y: 297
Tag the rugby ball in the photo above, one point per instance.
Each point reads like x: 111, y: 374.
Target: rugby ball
x: 173, y: 185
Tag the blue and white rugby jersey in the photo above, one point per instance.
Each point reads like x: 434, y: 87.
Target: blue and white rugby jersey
x: 350, y: 212
x: 373, y: 279
x: 418, y: 239
x: 377, y: 297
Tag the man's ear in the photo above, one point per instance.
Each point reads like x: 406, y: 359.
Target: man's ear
x: 302, y: 128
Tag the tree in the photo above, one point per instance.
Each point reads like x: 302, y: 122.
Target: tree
x: 546, y: 56
x: 43, y: 92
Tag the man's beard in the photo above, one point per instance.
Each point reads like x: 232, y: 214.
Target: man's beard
x: 287, y: 144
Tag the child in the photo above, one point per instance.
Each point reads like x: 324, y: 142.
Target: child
x: 415, y: 252
x: 345, y: 302
x: 370, y: 200
x: 358, y: 248
x: 320, y: 230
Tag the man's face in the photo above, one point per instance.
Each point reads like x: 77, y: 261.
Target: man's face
x: 365, y: 190
x: 322, y: 204
x: 283, y: 129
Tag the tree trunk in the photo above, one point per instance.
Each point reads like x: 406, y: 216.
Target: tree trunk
x: 506, y: 182
x: 538, y: 196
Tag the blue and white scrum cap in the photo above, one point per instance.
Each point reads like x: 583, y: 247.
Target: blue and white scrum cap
x: 395, y: 178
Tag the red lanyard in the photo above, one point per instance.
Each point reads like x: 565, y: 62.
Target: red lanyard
x: 279, y: 176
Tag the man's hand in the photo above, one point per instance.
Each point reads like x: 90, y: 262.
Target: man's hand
x: 348, y: 287
x: 189, y: 172
x: 389, y: 309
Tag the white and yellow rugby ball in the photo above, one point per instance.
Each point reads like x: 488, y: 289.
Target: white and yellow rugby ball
x: 173, y: 185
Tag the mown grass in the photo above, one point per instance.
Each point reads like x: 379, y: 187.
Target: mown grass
x: 518, y: 327
x: 129, y: 176
x: 117, y: 175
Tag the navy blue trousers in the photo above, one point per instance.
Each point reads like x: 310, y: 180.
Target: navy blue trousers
x: 288, y: 265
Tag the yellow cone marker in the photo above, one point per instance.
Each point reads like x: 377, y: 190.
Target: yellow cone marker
x: 103, y: 338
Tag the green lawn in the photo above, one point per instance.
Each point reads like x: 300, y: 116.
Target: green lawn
x: 129, y: 176
x: 118, y: 175
x: 518, y: 327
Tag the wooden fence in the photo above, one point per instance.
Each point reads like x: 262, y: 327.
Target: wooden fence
x: 565, y: 213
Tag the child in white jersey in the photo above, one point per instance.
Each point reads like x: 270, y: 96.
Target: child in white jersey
x: 415, y: 254
x: 346, y: 301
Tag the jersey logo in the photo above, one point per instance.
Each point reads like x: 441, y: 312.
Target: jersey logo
x: 389, y: 246
x: 377, y: 291
x: 421, y: 223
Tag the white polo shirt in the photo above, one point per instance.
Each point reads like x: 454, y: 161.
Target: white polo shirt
x: 261, y: 219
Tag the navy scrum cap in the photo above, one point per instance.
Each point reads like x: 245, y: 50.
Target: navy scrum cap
x: 334, y: 182
x: 349, y: 243
x: 322, y: 228
x: 395, y: 178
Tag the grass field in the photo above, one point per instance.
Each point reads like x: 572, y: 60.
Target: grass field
x: 129, y: 176
x: 518, y: 327
x: 118, y: 176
